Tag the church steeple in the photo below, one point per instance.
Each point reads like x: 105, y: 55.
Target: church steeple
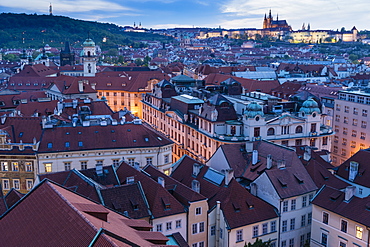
x: 270, y: 16
x: 277, y: 17
x: 50, y: 10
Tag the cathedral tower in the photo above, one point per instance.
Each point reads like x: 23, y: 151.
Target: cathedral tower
x: 89, y: 57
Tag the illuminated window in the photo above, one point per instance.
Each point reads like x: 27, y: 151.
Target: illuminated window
x: 47, y: 167
x: 28, y: 166
x: 359, y: 231
x: 15, y: 166
x: 4, y: 166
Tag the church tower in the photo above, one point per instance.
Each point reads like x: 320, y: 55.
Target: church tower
x: 50, y: 10
x: 89, y: 57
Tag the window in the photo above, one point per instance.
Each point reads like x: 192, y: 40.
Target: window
x: 354, y: 133
x: 255, y: 231
x: 364, y: 113
x: 149, y: 160
x: 194, y: 245
x: 298, y: 129
x: 304, y: 201
x: 29, y: 184
x: 15, y: 166
x: 264, y: 228
x: 309, y: 218
x: 159, y: 227
x: 283, y: 243
x: 28, y: 166
x: 239, y: 235
x: 80, y: 144
x: 344, y: 141
x: 67, y: 166
x: 303, y: 220
x: 178, y: 223
x: 48, y: 167
x: 201, y: 227
x: 291, y: 242
x: 337, y: 107
x: 166, y: 159
x: 344, y: 152
x: 285, y: 206
x: 273, y: 226
x: 363, y: 124
x: 360, y: 191
x: 292, y: 224
x: 336, y: 128
x: 284, y: 227
x: 355, y: 111
x: 325, y: 218
x: 336, y: 139
x: 359, y: 231
x: 354, y: 122
x: 50, y: 145
x: 271, y: 132
x: 301, y: 241
x: 16, y: 184
x: 4, y: 166
x: 198, y: 211
x: 298, y: 142
x: 131, y: 161
x: 346, y: 109
x: 115, y: 162
x: 337, y: 118
x: 345, y: 120
x: 343, y: 226
x: 66, y: 144
x: 293, y: 204
x: 341, y: 244
x: 353, y: 144
x: 363, y: 136
x: 313, y: 127
x: 201, y: 244
x: 83, y: 165
x: 6, y: 185
x: 168, y: 226
x: 324, y: 239
x: 312, y: 142
x: 213, y: 230
x: 325, y: 140
x: 195, y: 228
x: 221, y: 233
x: 345, y: 131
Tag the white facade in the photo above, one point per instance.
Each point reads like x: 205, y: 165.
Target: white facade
x: 89, y: 58
x: 170, y: 224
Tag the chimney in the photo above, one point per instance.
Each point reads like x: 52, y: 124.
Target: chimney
x: 74, y: 103
x: 3, y: 118
x: 161, y: 181
x: 229, y: 174
x: 254, y: 189
x: 269, y: 161
x: 81, y: 86
x: 353, y: 170
x: 196, y: 169
x: 307, y: 153
x: 254, y: 157
x: 249, y: 147
x: 349, y: 192
x: 123, y: 120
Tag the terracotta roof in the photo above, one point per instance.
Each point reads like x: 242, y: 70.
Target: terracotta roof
x: 362, y: 157
x: 12, y: 197
x: 181, y: 192
x: 70, y: 220
x: 248, y: 84
x: 39, y: 70
x: 101, y: 137
x: 239, y: 207
x: 161, y: 202
x: 334, y: 200
x: 23, y: 129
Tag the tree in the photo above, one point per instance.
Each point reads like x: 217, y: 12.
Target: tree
x: 258, y: 243
x: 138, y: 62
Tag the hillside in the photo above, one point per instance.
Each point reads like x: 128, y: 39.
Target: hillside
x: 34, y: 31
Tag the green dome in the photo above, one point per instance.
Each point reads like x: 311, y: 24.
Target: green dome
x: 88, y: 43
x: 310, y: 106
x: 253, y: 109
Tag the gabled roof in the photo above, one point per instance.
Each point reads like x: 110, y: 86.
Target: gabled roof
x: 362, y: 157
x: 181, y: 192
x: 70, y: 220
x: 161, y: 202
x: 39, y: 70
x: 356, y: 209
x: 239, y: 207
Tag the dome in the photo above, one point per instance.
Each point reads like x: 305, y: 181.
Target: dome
x: 309, y: 106
x: 89, y: 42
x: 253, y: 109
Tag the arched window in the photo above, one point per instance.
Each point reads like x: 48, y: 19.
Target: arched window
x: 299, y: 129
x: 271, y: 132
x: 88, y: 53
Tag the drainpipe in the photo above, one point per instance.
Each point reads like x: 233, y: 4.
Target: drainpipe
x: 218, y: 209
x: 279, y: 231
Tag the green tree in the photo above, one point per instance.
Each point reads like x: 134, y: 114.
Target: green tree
x: 10, y: 57
x: 258, y: 243
x: 138, y: 62
x: 147, y: 60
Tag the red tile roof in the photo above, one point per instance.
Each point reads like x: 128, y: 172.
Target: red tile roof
x: 61, y: 217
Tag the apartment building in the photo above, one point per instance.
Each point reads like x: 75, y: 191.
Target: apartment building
x: 351, y: 119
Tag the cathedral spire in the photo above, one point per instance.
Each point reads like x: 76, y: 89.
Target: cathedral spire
x: 270, y: 16
x: 277, y: 17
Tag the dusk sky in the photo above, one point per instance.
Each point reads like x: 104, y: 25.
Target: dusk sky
x: 321, y: 14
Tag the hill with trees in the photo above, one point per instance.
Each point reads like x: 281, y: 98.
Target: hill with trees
x: 34, y: 31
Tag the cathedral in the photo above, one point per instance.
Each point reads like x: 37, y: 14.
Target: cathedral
x: 270, y: 23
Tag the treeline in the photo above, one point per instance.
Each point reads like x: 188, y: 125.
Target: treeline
x: 34, y: 31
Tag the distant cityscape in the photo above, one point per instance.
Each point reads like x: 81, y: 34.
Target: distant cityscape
x: 213, y: 137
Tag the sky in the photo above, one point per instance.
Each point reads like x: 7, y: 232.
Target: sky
x: 229, y: 14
